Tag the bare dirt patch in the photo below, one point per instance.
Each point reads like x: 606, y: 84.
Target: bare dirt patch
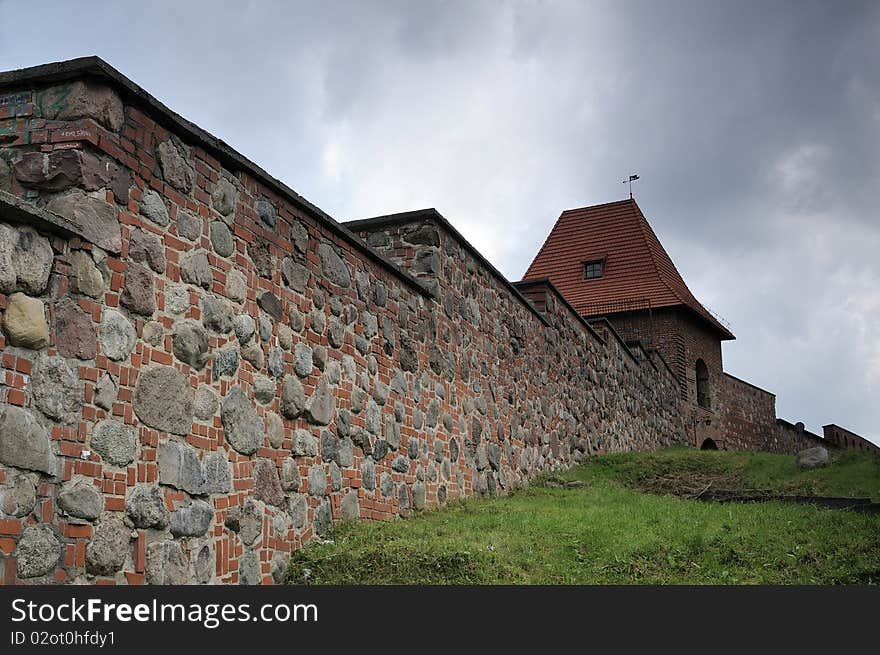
x: 689, y: 484
x: 730, y: 488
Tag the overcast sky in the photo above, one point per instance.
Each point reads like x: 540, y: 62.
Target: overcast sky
x: 755, y: 129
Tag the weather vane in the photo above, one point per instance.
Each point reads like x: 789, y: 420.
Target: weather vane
x: 632, y: 178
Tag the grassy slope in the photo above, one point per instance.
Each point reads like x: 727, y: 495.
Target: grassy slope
x: 607, y: 532
x: 851, y: 474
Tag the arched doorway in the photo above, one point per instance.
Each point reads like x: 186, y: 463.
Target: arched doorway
x: 709, y: 444
x: 703, y: 397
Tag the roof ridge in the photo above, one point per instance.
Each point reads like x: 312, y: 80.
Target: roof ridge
x: 601, y: 204
x: 691, y: 298
x: 640, y: 217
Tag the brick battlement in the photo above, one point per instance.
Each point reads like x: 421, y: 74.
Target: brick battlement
x: 200, y: 371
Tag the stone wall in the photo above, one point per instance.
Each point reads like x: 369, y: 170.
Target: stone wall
x: 591, y: 394
x: 682, y: 339
x: 842, y: 438
x: 200, y: 371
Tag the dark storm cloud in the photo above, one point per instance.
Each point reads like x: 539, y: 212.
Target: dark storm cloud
x: 755, y: 128
x: 736, y: 86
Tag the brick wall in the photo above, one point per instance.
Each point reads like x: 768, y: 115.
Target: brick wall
x: 843, y: 438
x: 749, y: 416
x: 749, y: 421
x: 200, y: 371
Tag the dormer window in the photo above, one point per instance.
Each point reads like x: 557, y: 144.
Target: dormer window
x: 594, y: 269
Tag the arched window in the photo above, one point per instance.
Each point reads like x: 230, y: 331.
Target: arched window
x: 702, y: 384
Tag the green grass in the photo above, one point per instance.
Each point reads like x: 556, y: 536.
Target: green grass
x: 850, y: 473
x: 609, y: 532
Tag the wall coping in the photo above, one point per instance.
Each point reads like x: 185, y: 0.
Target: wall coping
x: 749, y: 384
x: 431, y: 214
x: 651, y: 352
x: 637, y: 344
x: 792, y: 426
x: 843, y: 429
x: 656, y: 353
x: 850, y: 433
x: 614, y: 333
x: 533, y: 282
x: 95, y: 67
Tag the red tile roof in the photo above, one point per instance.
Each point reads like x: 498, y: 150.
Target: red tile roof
x: 638, y: 271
